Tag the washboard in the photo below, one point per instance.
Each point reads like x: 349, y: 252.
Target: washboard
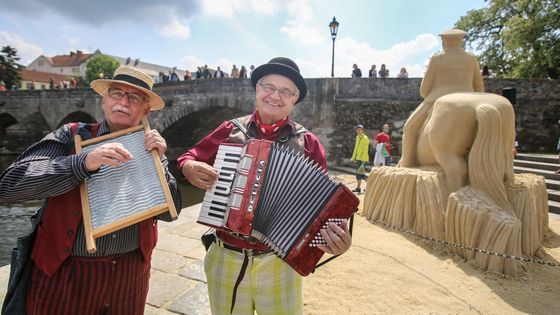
x: 116, y: 197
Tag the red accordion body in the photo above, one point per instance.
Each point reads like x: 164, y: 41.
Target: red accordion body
x: 277, y: 196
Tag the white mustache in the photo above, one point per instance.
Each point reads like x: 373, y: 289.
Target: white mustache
x: 120, y: 108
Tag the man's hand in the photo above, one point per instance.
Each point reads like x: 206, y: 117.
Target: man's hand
x: 200, y: 174
x: 153, y: 140
x: 110, y: 154
x: 338, y: 238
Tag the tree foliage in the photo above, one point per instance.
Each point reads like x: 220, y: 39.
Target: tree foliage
x: 516, y: 38
x: 101, y: 66
x: 9, y: 72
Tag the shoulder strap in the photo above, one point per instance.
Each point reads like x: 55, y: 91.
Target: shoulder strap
x: 285, y: 139
x: 242, y: 128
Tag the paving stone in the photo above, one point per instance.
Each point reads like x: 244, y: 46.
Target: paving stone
x: 188, y: 229
x: 197, y: 253
x: 176, y: 244
x: 167, y: 262
x: 194, y: 270
x: 151, y: 310
x: 165, y: 287
x: 4, y: 277
x: 193, y: 302
x: 191, y: 212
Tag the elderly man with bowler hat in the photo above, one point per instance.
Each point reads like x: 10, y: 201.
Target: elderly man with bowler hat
x: 65, y: 278
x: 263, y: 282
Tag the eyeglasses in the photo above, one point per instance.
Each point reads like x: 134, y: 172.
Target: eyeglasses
x: 270, y: 89
x: 133, y: 98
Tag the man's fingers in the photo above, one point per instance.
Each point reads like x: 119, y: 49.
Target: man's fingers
x: 110, y: 154
x: 200, y: 174
x: 153, y: 140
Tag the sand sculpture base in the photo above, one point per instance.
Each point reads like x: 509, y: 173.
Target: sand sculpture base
x: 414, y: 199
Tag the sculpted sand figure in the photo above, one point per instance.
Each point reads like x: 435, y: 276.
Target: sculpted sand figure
x: 457, y: 125
x: 453, y: 70
x: 455, y: 180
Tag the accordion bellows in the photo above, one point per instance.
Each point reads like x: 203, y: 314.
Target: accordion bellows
x: 278, y: 196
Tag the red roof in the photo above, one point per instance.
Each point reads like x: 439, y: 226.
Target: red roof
x: 38, y: 76
x: 74, y: 59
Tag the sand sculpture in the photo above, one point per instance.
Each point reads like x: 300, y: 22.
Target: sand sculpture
x: 455, y: 180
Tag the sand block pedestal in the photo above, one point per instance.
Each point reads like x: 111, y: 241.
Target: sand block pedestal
x: 416, y: 199
x: 411, y: 198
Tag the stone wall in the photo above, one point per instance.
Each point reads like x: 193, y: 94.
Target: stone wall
x: 331, y: 110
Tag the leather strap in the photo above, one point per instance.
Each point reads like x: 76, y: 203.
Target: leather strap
x: 238, y: 281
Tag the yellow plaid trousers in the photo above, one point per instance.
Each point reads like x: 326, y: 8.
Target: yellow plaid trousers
x: 269, y: 286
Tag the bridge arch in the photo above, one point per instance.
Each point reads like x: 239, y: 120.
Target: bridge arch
x: 77, y: 116
x: 188, y: 130
x: 6, y: 120
x: 26, y: 132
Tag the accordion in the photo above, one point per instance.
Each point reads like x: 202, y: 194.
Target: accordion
x: 279, y: 197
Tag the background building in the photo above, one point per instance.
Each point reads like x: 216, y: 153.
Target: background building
x: 75, y: 63
x: 39, y: 80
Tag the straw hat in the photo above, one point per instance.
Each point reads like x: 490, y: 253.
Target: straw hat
x: 282, y: 66
x: 134, y: 78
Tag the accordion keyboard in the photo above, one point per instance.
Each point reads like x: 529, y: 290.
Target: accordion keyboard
x: 215, y: 204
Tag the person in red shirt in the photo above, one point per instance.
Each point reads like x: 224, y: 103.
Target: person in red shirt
x: 385, y: 138
x: 244, y: 276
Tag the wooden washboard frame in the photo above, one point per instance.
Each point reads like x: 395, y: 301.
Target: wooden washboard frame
x: 156, y: 174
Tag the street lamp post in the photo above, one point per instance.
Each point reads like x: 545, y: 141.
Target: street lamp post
x: 334, y: 29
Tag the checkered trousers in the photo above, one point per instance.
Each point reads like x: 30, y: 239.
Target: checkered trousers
x: 269, y: 286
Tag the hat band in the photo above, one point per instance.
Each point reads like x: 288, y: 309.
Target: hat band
x: 132, y: 80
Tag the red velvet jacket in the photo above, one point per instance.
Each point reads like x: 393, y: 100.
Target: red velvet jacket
x: 57, y: 231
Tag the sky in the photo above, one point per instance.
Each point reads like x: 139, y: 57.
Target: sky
x: 187, y: 34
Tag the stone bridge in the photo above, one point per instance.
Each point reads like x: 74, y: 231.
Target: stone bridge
x: 331, y: 109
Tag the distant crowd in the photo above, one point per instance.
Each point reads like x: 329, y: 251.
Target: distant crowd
x: 203, y: 72
x: 403, y: 74
x: 374, y: 73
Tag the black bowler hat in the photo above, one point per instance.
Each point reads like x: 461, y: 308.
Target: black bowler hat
x: 282, y: 66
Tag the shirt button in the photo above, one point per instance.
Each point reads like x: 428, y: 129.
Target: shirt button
x: 66, y: 250
x: 77, y: 213
x: 70, y: 233
x: 114, y: 236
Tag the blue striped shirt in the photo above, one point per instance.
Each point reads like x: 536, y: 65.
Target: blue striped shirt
x: 47, y: 169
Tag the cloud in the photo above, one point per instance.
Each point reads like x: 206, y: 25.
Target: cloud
x: 175, y: 29
x: 399, y: 55
x: 300, y: 11
x: 166, y: 18
x: 412, y: 54
x: 190, y: 63
x: 302, y: 34
x: 103, y: 11
x: 27, y: 51
x: 297, y: 27
x: 231, y: 8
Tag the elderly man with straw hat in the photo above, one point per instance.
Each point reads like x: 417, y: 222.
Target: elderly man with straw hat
x: 62, y: 276
x: 243, y: 275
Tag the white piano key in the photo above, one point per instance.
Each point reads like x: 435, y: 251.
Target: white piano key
x: 230, y: 148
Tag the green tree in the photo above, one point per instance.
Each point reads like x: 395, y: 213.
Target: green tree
x: 102, y: 66
x: 9, y: 72
x: 516, y: 38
